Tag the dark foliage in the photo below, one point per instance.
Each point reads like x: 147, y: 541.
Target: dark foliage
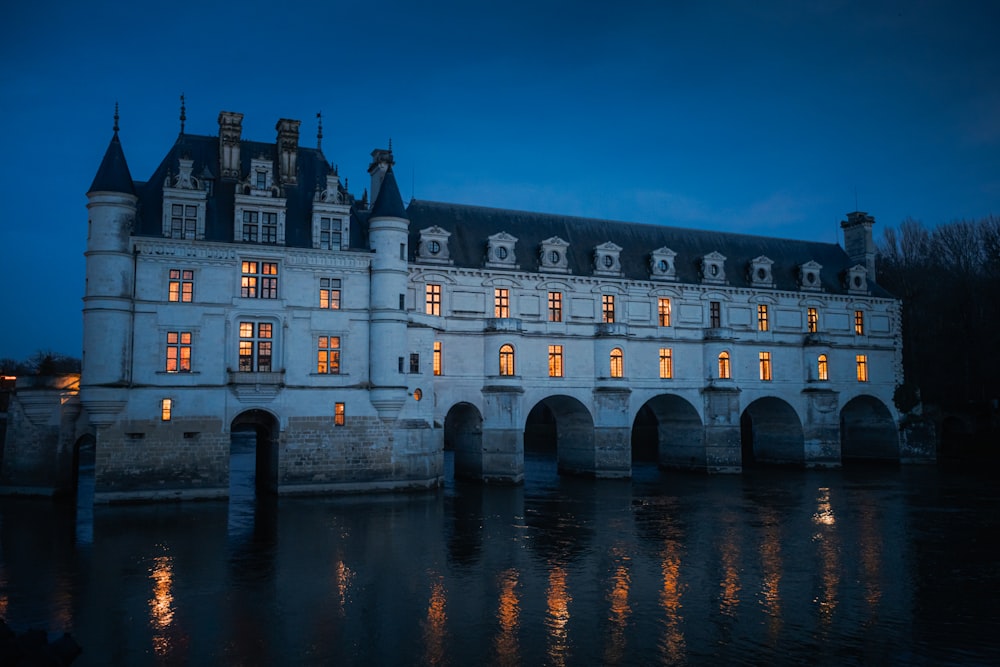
x: 949, y: 281
x: 41, y: 363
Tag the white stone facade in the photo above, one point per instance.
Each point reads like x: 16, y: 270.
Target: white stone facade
x: 358, y: 360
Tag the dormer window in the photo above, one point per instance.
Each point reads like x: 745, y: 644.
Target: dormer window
x: 857, y: 280
x: 183, y: 221
x: 331, y: 217
x: 661, y: 264
x: 760, y: 272
x: 713, y: 268
x: 552, y: 255
x: 433, y: 246
x: 809, y: 276
x: 184, y: 200
x: 261, y: 183
x: 500, y: 251
x: 606, y: 259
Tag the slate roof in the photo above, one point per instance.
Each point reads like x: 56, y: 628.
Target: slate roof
x: 388, y: 204
x: 113, y: 174
x: 471, y: 225
x: 312, y: 170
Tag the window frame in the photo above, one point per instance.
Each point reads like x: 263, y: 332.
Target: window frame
x: 822, y: 368
x: 259, y: 342
x: 437, y: 358
x: 555, y: 306
x: 328, y: 355
x: 666, y: 363
x: 762, y: 317
x: 501, y: 302
x: 432, y: 299
x: 812, y: 320
x: 608, y: 308
x: 725, y: 365
x: 178, y: 352
x: 507, y: 359
x: 180, y: 285
x: 339, y: 413
x: 714, y: 314
x: 861, y: 362
x: 555, y: 361
x: 329, y: 293
x: 616, y: 362
x: 258, y: 279
x: 764, y: 359
x: 859, y: 322
x: 663, y: 311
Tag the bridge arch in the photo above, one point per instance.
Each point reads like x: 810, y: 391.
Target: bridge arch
x: 265, y: 430
x: 563, y: 422
x: 771, y: 433
x: 668, y: 430
x: 867, y: 431
x: 463, y: 434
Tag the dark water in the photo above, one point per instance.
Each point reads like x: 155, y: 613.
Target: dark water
x: 874, y: 566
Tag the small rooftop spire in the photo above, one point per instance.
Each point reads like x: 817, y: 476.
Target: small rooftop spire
x: 116, y: 118
x: 319, y: 132
x: 183, y: 114
x: 390, y: 144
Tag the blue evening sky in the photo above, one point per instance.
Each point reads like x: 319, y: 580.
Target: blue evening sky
x: 758, y: 117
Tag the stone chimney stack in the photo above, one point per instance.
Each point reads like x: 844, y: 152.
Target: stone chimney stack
x: 858, y: 240
x: 381, y: 161
x: 288, y: 149
x: 230, y: 131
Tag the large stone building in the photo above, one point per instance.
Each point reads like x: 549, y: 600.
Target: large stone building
x: 242, y: 287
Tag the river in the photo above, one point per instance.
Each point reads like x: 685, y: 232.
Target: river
x: 858, y: 566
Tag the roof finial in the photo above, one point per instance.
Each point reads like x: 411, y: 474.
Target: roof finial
x: 319, y: 132
x: 183, y: 114
x: 390, y: 144
x: 116, y: 117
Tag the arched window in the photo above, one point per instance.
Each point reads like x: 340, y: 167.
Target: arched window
x: 724, y: 366
x: 617, y: 363
x: 821, y: 368
x: 507, y: 359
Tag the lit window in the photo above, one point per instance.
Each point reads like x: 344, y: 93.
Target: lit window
x: 812, y: 320
x: 433, y: 299
x: 555, y: 361
x: 329, y: 233
x: 724, y: 372
x: 414, y: 362
x: 617, y: 363
x: 328, y: 355
x: 417, y: 394
x: 862, y: 361
x: 259, y: 280
x: 166, y: 407
x: 178, y: 351
x: 765, y: 366
x: 715, y: 314
x: 329, y: 293
x: 181, y: 285
x: 339, y: 414
x: 608, y: 308
x: 437, y: 357
x: 506, y: 359
x: 555, y: 306
x: 663, y: 312
x: 255, y: 347
x: 183, y: 221
x: 762, y: 317
x: 666, y: 363
x: 822, y: 370
x: 501, y: 302
x: 859, y: 322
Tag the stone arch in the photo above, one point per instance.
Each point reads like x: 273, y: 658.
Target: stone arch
x: 771, y: 433
x: 667, y: 429
x: 867, y: 431
x: 463, y: 434
x: 266, y: 430
x: 563, y: 422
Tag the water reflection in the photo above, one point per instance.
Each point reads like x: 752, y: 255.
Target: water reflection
x: 666, y: 569
x: 508, y: 616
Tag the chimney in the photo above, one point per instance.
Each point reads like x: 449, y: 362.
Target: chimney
x: 230, y: 129
x: 381, y: 161
x: 858, y: 240
x: 288, y: 149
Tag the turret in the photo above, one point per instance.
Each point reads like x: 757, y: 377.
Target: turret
x: 382, y: 161
x: 108, y: 299
x: 388, y: 230
x: 858, y: 240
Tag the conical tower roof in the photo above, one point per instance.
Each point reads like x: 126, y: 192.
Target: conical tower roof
x: 113, y: 174
x: 388, y: 204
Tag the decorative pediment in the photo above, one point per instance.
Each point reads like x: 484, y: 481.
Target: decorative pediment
x: 331, y: 194
x: 661, y: 264
x: 607, y: 260
x: 857, y: 279
x: 809, y: 276
x: 433, y: 246
x: 552, y: 255
x: 759, y: 272
x: 260, y: 181
x: 713, y: 268
x: 500, y: 251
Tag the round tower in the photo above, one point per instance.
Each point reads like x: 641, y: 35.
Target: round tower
x: 388, y: 231
x: 107, y: 302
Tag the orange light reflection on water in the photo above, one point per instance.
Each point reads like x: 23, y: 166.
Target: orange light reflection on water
x: 435, y: 630
x: 557, y: 617
x: 829, y: 554
x: 673, y: 645
x: 161, y: 604
x: 508, y: 615
x: 618, y: 597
